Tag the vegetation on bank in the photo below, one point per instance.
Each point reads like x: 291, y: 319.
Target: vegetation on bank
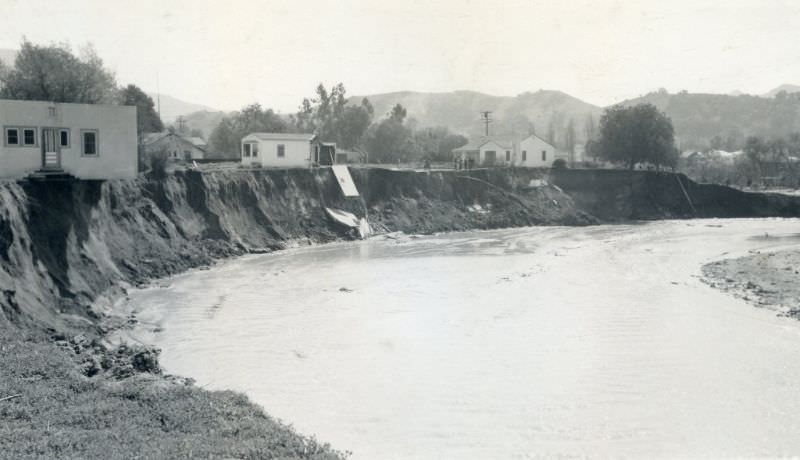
x: 74, y: 398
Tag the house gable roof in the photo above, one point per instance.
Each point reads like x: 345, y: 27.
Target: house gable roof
x: 283, y: 136
x: 535, y: 137
x: 197, y: 142
x: 476, y: 144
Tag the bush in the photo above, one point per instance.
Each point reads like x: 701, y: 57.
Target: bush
x: 158, y: 164
x: 560, y: 163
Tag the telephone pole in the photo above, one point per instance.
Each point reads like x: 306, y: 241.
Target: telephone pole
x: 486, y: 118
x: 181, y: 124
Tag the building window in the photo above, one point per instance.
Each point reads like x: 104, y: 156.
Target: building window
x: 51, y: 111
x: 508, y: 155
x: 89, y: 142
x: 29, y: 136
x: 12, y: 136
x: 281, y: 150
x: 544, y: 155
x: 250, y: 149
x: 524, y: 155
x: 63, y: 135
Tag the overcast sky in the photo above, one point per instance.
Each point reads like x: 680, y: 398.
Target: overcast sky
x: 226, y: 54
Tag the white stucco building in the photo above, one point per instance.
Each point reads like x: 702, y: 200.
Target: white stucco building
x: 82, y: 140
x: 287, y: 150
x: 535, y: 152
x: 531, y: 151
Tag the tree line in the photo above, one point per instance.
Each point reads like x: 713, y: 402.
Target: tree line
x: 388, y: 138
x: 54, y: 73
x: 627, y: 135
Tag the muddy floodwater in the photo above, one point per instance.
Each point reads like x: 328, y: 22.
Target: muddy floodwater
x: 525, y: 343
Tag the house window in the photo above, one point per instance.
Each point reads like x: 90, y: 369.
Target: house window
x: 250, y: 149
x: 89, y: 138
x: 12, y: 136
x: 524, y: 155
x: 544, y: 155
x: 63, y: 135
x: 281, y: 150
x: 508, y: 155
x: 29, y: 136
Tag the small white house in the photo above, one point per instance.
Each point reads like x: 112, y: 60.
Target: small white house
x: 531, y: 151
x: 535, y: 152
x: 175, y: 146
x: 287, y: 150
x: 83, y: 140
x: 487, y: 151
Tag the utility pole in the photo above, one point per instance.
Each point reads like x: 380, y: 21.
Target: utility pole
x: 181, y: 124
x: 158, y: 95
x: 486, y: 117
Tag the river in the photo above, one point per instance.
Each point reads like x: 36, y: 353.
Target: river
x: 524, y: 343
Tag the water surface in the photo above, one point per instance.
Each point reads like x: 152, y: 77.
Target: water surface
x: 525, y: 343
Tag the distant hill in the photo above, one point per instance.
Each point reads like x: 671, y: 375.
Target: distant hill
x: 204, y: 120
x: 699, y: 118
x: 788, y: 88
x: 172, y: 107
x: 460, y: 110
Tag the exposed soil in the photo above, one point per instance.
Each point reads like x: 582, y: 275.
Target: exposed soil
x: 69, y: 249
x: 765, y: 279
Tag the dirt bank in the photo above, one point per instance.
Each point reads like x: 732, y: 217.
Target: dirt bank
x: 617, y: 195
x: 69, y: 249
x: 765, y: 279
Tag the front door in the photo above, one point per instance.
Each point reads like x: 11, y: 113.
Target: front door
x: 51, y: 149
x: 489, y: 157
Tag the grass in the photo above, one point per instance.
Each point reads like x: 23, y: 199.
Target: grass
x: 62, y: 413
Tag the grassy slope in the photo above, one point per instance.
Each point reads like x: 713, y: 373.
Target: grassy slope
x: 62, y: 413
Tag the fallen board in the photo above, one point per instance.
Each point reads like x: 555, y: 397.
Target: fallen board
x: 345, y: 180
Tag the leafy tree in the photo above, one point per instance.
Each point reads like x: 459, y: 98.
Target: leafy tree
x: 147, y: 119
x: 227, y: 136
x: 570, y: 139
x: 438, y: 143
x: 53, y: 73
x: 390, y: 140
x: 637, y: 134
x: 332, y: 119
x: 398, y: 113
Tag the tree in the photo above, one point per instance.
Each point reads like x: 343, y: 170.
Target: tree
x: 570, y: 139
x: 437, y: 143
x: 332, y: 119
x: 390, y: 140
x: 637, y: 134
x: 227, y: 136
x: 53, y: 73
x: 147, y: 119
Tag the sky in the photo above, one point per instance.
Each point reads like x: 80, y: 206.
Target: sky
x: 226, y: 54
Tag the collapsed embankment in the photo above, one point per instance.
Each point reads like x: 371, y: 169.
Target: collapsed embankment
x: 617, y: 195
x: 68, y: 248
x: 67, y: 244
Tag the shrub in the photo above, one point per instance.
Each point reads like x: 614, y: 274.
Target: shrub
x: 158, y: 164
x: 560, y: 163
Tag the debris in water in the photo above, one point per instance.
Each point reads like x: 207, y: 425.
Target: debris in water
x: 344, y: 289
